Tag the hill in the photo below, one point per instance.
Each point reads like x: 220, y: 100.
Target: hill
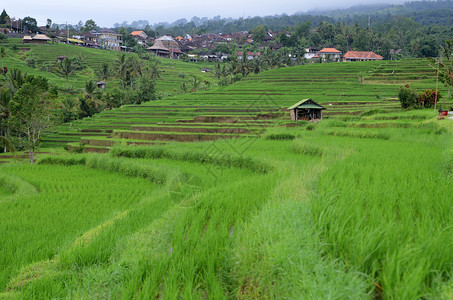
x: 248, y: 106
x: 45, y: 59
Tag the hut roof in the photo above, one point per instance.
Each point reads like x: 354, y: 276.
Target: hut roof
x: 27, y: 38
x: 330, y: 50
x: 362, y: 55
x: 165, y: 38
x: 306, y: 103
x: 41, y: 37
x: 158, y: 45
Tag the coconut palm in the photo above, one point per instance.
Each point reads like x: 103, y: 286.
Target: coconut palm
x: 67, y: 67
x: 121, y: 68
x: 2, y: 55
x: 104, y: 72
x: 90, y: 88
x: 15, y: 80
x: 5, y: 113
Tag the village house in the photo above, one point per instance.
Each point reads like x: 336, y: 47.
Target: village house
x: 307, y: 110
x: 37, y: 39
x: 249, y: 54
x: 109, y: 39
x: 159, y: 49
x: 329, y: 55
x: 361, y: 56
x: 89, y: 40
x: 311, y: 52
x: 168, y: 42
x: 140, y: 37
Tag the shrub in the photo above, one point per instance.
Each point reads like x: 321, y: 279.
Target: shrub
x: 280, y: 136
x: 428, y: 98
x: 310, y: 127
x: 407, y: 97
x: 299, y: 147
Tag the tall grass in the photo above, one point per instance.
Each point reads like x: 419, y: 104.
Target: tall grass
x: 387, y: 211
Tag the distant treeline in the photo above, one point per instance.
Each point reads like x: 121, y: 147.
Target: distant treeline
x: 438, y: 12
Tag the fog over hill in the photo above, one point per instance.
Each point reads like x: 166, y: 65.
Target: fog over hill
x: 106, y: 13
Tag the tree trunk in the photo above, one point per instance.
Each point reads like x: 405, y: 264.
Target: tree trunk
x: 6, y: 136
x: 67, y: 82
x: 32, y: 154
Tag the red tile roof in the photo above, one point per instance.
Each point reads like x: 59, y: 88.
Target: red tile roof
x: 362, y: 55
x: 136, y: 32
x: 329, y: 50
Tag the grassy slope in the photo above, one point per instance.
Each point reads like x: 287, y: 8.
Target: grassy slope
x: 336, y: 83
x: 307, y: 227
x: 169, y: 83
x: 213, y: 225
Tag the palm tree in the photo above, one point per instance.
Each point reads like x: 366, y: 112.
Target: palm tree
x: 5, y: 113
x: 15, y: 80
x: 104, y: 71
x: 135, y: 67
x: 121, y: 68
x: 2, y: 55
x: 70, y: 107
x: 67, y: 67
x: 90, y: 88
x: 155, y: 70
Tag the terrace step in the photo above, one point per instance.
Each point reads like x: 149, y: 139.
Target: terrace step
x: 174, y: 137
x: 227, y: 130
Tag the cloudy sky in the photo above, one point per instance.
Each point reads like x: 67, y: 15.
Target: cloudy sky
x: 106, y: 13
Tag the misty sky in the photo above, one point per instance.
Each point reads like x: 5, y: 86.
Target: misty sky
x: 106, y: 13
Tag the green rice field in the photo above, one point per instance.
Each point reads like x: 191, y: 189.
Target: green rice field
x: 218, y: 195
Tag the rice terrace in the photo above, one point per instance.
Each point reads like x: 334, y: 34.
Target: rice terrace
x: 301, y: 180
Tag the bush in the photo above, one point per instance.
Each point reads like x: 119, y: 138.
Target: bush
x: 280, y: 136
x: 429, y: 98
x: 407, y: 97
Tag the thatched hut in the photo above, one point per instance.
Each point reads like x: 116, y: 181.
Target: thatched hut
x: 307, y: 110
x: 159, y: 49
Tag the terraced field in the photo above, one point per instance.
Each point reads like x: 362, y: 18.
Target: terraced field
x: 94, y: 58
x: 352, y: 207
x: 251, y: 104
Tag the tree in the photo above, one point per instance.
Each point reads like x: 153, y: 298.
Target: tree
x: 32, y: 111
x: 48, y: 23
x: 146, y: 90
x: 2, y: 55
x: 104, y: 72
x: 4, y: 18
x: 121, y: 68
x: 69, y: 108
x: 30, y: 23
x: 90, y: 25
x: 5, y: 113
x: 15, y: 80
x: 90, y: 88
x: 259, y: 33
x: 66, y: 67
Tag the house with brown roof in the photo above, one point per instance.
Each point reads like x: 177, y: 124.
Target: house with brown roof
x: 329, y: 55
x: 37, y: 39
x: 361, y: 56
x: 139, y: 33
x: 159, y: 49
x: 168, y: 42
x: 140, y: 37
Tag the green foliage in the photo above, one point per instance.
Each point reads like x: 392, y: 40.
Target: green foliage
x: 428, y: 98
x: 4, y: 18
x: 280, y: 136
x: 407, y: 97
x: 30, y: 23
